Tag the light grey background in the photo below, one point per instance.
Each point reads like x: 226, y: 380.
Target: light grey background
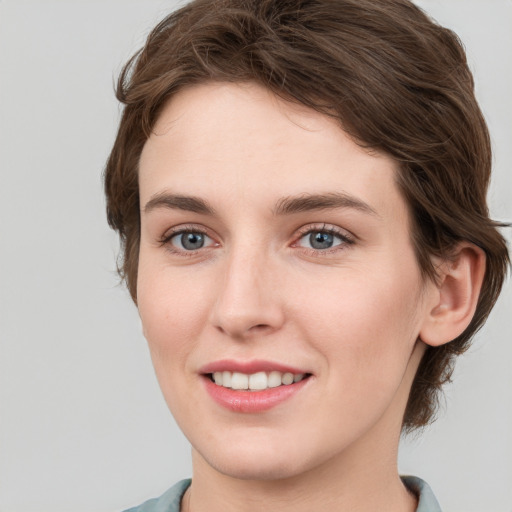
x: 83, y: 426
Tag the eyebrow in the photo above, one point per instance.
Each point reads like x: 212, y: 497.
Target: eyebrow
x: 285, y: 206
x: 178, y: 202
x: 310, y: 202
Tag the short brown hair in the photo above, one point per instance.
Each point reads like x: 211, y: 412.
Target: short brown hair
x: 396, y: 81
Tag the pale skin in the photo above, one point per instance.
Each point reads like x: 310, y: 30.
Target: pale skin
x: 232, y: 164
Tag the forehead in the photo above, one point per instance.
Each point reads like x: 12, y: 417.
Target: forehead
x: 245, y: 137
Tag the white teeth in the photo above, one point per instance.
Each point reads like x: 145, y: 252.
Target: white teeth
x: 287, y: 378
x: 255, y: 381
x: 226, y: 379
x: 239, y: 381
x: 258, y: 380
x: 274, y: 379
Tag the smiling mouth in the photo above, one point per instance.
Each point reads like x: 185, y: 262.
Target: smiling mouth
x: 258, y: 381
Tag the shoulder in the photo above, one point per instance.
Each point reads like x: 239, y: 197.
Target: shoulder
x: 427, y: 502
x: 168, y: 502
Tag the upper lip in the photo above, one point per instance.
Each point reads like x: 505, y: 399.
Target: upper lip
x: 248, y: 367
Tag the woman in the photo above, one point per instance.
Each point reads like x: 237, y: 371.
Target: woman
x: 299, y: 187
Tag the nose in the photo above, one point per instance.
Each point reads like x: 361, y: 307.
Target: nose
x: 248, y: 299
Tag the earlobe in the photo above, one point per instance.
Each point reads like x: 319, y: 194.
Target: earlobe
x: 454, y: 299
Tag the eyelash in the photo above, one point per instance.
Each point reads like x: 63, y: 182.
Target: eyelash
x: 345, y: 238
x: 166, y: 240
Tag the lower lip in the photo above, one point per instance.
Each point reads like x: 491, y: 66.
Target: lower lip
x: 252, y: 401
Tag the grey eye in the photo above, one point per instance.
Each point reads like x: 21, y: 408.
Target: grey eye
x: 321, y: 240
x: 190, y: 241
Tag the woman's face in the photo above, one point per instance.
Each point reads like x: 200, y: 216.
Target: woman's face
x: 272, y: 244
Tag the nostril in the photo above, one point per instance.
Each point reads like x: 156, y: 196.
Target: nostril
x: 259, y: 329
x: 239, y: 332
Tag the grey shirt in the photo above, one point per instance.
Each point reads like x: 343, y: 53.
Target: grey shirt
x: 170, y: 500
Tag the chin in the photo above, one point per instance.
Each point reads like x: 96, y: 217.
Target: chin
x: 259, y: 469
x: 263, y: 460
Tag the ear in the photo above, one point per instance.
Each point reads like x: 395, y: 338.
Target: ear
x: 454, y: 297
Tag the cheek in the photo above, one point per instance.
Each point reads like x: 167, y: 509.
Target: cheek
x: 169, y: 319
x: 170, y: 312
x: 366, y: 325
